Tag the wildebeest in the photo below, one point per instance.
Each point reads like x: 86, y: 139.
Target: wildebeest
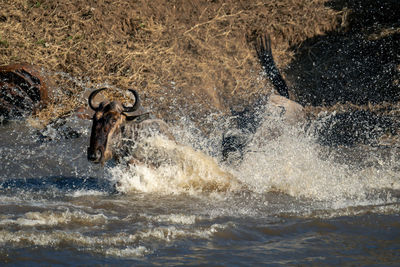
x: 247, y: 121
x: 116, y: 128
x: 131, y: 135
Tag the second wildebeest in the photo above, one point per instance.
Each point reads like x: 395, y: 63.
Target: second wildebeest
x: 247, y: 121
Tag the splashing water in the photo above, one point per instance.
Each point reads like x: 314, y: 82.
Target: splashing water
x: 288, y: 200
x: 293, y: 163
x: 280, y: 158
x: 185, y: 171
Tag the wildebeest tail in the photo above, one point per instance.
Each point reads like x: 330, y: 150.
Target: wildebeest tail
x: 264, y: 53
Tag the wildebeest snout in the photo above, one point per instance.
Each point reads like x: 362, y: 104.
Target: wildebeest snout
x: 94, y: 156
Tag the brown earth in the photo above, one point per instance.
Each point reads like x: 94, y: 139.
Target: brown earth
x: 193, y: 55
x: 198, y: 56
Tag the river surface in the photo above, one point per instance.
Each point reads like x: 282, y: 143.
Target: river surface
x: 289, y: 202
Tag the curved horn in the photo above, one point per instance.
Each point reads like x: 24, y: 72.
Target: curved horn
x: 91, y: 96
x: 137, y: 102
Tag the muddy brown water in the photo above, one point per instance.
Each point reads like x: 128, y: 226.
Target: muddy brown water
x: 289, y: 202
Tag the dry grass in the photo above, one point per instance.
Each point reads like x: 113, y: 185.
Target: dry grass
x: 177, y: 52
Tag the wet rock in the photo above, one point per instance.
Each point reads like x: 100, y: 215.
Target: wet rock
x: 23, y: 91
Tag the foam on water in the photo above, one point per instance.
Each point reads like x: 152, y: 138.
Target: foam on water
x: 173, y: 218
x: 83, y: 192
x: 121, y: 244
x: 129, y: 252
x: 54, y: 218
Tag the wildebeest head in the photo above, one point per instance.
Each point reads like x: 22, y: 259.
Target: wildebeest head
x: 107, y: 121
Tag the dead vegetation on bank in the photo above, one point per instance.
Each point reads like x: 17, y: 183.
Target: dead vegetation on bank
x: 176, y: 53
